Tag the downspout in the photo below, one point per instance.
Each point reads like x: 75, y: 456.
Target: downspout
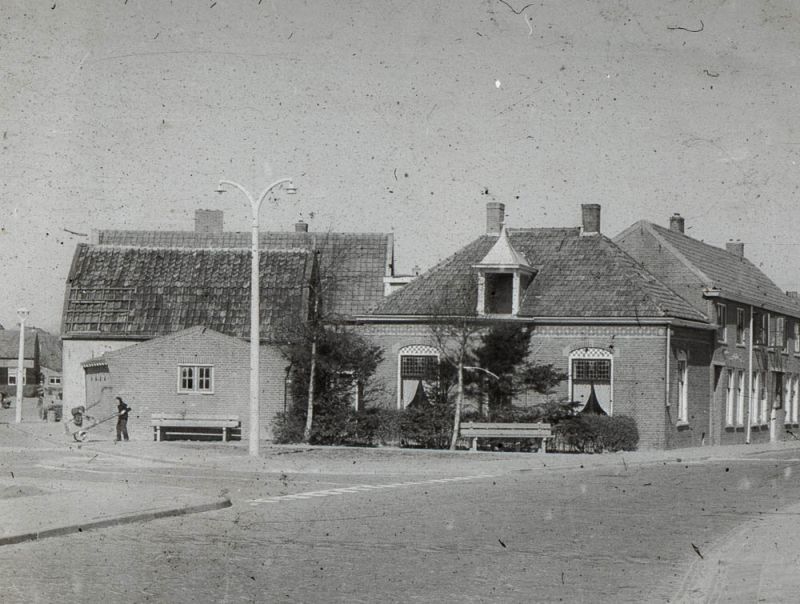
x: 749, y: 381
x: 666, y: 379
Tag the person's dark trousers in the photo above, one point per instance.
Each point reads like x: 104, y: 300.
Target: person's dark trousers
x: 122, y: 429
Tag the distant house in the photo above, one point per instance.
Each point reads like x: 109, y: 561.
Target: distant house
x: 131, y: 287
x: 754, y: 369
x: 596, y: 313
x: 42, y: 373
x: 9, y: 361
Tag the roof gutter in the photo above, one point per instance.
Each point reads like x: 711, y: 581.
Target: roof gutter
x: 405, y: 319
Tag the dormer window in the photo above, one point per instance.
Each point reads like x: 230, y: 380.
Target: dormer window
x: 503, y: 276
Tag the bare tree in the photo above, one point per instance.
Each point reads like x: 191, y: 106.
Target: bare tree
x: 455, y: 332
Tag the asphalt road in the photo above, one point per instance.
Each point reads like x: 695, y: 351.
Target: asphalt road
x: 621, y: 534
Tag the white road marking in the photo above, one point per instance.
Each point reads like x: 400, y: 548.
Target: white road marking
x: 360, y: 488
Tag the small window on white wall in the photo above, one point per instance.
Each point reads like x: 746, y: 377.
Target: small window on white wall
x: 196, y: 378
x: 592, y: 369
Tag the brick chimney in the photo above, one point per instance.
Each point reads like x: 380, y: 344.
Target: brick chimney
x: 301, y: 227
x: 208, y: 221
x: 495, y: 217
x: 676, y: 223
x: 591, y: 218
x: 735, y: 247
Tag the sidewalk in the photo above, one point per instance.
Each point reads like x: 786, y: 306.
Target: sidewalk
x: 29, y: 517
x: 756, y: 562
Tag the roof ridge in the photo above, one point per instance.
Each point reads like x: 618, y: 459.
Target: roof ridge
x: 120, y: 246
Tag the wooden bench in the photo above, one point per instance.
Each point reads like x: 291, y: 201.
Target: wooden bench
x: 476, y: 430
x: 188, y: 425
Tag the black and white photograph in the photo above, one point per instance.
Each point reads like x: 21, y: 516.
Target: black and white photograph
x: 483, y: 301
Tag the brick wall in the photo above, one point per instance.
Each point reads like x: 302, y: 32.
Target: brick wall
x: 146, y: 377
x: 639, y: 371
x: 696, y: 346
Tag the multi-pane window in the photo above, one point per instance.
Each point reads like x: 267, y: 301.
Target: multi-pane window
x: 722, y: 322
x: 12, y: 377
x: 758, y: 403
x: 55, y: 381
x: 586, y: 371
x: 777, y: 336
x: 793, y: 400
x: 796, y: 325
x: 591, y: 371
x: 730, y: 399
x: 683, y: 390
x: 740, y: 398
x: 740, y: 317
x: 196, y: 378
x: 761, y: 327
x: 419, y: 373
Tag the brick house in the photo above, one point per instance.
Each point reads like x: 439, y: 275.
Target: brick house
x: 127, y: 288
x: 196, y: 370
x: 9, y: 360
x: 595, y: 312
x: 754, y: 372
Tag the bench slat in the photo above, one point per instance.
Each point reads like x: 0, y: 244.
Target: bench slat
x: 192, y: 416
x: 486, y: 425
x: 507, y: 433
x: 200, y: 423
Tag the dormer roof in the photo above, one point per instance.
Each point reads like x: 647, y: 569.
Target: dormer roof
x: 504, y: 256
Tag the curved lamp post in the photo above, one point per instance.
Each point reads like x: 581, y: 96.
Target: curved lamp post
x: 255, y: 206
x: 22, y: 313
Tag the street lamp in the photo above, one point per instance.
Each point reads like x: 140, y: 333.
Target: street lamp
x: 22, y: 313
x: 255, y: 206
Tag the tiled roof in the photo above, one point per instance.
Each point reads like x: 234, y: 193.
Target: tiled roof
x: 9, y: 343
x: 578, y: 276
x: 736, y: 277
x: 49, y: 350
x: 137, y: 292
x: 353, y: 264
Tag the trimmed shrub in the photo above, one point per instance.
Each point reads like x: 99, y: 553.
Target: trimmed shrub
x: 340, y: 426
x: 597, y: 433
x: 428, y: 426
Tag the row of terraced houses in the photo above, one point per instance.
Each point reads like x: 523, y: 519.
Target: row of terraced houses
x: 693, y: 341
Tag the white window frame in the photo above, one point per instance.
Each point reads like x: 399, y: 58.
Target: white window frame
x: 196, y: 379
x: 415, y: 350
x: 740, y: 392
x: 730, y: 399
x: 741, y: 320
x: 594, y: 353
x: 683, y: 387
x: 722, y: 322
x: 12, y: 377
x: 54, y: 380
x: 796, y: 324
x: 781, y: 340
x: 755, y: 398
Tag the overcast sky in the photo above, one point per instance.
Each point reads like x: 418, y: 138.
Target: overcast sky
x: 394, y: 116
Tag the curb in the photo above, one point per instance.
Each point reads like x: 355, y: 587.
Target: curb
x: 129, y: 519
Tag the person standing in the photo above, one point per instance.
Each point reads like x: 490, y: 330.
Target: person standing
x: 122, y: 419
